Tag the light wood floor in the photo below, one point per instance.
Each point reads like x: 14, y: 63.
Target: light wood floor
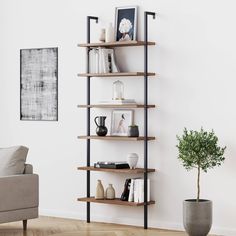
x: 45, y: 226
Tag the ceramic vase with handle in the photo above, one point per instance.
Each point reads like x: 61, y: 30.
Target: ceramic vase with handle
x: 99, y: 190
x: 110, y: 192
x: 101, y: 128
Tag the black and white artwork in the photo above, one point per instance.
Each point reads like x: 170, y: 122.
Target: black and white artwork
x: 39, y: 84
x: 126, y: 23
x: 120, y: 121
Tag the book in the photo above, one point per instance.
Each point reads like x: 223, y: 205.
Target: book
x: 136, y: 190
x: 131, y: 192
x: 111, y: 165
x: 123, y: 101
x: 101, y: 66
x: 139, y: 190
x: 93, y: 61
x: 125, y: 193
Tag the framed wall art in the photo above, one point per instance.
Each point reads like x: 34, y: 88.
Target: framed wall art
x: 126, y: 23
x: 39, y: 84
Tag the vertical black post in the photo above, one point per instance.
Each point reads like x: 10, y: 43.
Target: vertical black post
x: 146, y: 115
x: 89, y: 18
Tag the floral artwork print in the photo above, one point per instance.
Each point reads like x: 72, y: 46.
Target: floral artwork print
x: 126, y: 23
x: 124, y: 28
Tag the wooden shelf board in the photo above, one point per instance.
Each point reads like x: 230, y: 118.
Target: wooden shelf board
x: 116, y: 74
x: 116, y: 44
x: 127, y: 171
x: 116, y: 106
x: 118, y: 138
x: 114, y: 202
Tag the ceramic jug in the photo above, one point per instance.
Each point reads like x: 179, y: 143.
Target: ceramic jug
x: 101, y: 128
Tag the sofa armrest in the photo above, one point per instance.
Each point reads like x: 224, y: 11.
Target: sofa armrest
x: 19, y: 192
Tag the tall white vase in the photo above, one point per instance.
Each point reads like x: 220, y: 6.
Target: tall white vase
x: 109, y: 33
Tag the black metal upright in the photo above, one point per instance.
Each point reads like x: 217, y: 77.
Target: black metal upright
x: 89, y: 18
x: 146, y: 14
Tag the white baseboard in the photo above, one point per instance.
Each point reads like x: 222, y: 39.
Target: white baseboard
x: 129, y: 221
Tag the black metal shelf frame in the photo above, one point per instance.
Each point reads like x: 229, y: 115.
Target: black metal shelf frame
x: 89, y: 19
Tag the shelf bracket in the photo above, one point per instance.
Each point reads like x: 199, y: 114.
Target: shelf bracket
x: 146, y: 14
x: 89, y: 19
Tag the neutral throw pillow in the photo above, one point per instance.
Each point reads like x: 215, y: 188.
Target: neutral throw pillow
x: 12, y: 160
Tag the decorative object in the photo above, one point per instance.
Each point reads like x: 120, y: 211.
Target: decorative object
x: 111, y: 165
x: 133, y: 131
x: 101, y: 129
x: 99, y: 190
x: 200, y: 150
x: 39, y: 84
x: 118, y: 90
x: 125, y: 193
x: 106, y: 61
x: 120, y: 121
x: 126, y: 23
x: 132, y: 159
x: 110, y: 192
x: 102, y: 36
x: 109, y: 33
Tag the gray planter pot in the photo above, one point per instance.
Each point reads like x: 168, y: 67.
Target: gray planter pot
x: 197, y: 217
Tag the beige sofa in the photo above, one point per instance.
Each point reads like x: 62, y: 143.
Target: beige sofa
x: 19, y: 196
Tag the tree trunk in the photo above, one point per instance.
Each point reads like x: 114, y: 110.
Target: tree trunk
x: 198, y: 183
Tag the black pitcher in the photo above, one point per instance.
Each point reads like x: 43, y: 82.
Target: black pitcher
x: 101, y: 128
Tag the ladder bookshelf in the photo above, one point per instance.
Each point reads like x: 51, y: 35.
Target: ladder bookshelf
x: 145, y: 106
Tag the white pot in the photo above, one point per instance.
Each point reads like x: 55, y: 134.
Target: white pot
x: 132, y: 159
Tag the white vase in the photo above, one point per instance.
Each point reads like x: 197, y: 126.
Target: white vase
x: 109, y: 33
x: 110, y: 192
x: 132, y: 159
x: 99, y: 190
x: 102, y: 36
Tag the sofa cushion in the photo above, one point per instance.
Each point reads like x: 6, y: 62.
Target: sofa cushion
x: 12, y: 160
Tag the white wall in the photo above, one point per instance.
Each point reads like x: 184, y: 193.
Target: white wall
x: 195, y: 59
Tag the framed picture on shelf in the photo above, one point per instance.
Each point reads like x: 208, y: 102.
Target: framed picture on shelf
x: 126, y: 23
x: 120, y: 121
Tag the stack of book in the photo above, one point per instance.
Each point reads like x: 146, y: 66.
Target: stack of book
x: 134, y: 190
x: 111, y: 165
x: 102, y: 60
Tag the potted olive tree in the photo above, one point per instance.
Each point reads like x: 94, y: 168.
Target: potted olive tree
x: 200, y: 150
